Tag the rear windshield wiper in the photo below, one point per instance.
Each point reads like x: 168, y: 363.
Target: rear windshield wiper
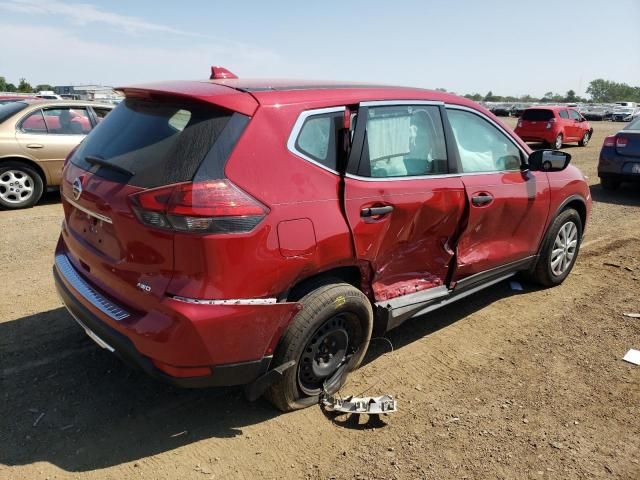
x: 97, y: 160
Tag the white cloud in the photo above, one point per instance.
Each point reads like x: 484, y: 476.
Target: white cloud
x: 60, y: 57
x: 84, y: 13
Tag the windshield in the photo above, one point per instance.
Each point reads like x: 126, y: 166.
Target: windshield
x: 10, y: 109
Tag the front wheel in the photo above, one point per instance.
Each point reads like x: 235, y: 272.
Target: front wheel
x: 333, y: 328
x: 559, y: 249
x: 585, y: 139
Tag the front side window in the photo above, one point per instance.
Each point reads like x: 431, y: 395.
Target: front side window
x: 404, y: 141
x: 564, y: 114
x: 481, y: 146
x: 67, y: 120
x: 317, y: 138
x: 574, y: 115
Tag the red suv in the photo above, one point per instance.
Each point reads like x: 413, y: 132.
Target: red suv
x: 554, y: 126
x: 232, y: 231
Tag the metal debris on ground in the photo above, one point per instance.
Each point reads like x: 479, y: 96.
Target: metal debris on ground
x: 361, y: 405
x: 632, y: 315
x: 632, y: 356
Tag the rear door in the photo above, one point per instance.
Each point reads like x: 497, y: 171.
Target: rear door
x: 508, y: 208
x: 403, y: 207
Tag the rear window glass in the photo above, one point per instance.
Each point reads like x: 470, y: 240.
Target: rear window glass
x: 160, y: 143
x: 634, y: 125
x: 318, y: 138
x: 10, y: 109
x: 537, y: 115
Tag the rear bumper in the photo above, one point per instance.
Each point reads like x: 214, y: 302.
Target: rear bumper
x: 548, y: 136
x: 140, y: 349
x: 611, y: 164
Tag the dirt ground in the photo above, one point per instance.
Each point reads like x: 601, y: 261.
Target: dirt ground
x: 513, y: 385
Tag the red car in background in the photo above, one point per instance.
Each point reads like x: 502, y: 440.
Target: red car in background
x: 235, y: 231
x: 14, y: 98
x: 555, y: 126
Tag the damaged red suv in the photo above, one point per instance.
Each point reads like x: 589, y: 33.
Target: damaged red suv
x: 230, y: 231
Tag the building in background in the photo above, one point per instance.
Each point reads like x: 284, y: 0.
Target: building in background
x: 88, y: 92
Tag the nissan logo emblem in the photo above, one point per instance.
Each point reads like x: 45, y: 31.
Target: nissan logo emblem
x: 77, y: 188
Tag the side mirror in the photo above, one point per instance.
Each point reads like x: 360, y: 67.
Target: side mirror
x: 548, y: 161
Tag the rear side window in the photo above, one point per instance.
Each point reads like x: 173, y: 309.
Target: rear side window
x: 317, y: 138
x: 161, y: 143
x: 11, y: 109
x: 537, y: 115
x: 34, y: 123
x: 100, y: 113
x: 563, y: 114
x: 404, y: 141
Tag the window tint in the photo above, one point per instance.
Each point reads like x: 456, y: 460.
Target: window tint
x: 574, y: 115
x: 160, y: 142
x: 563, y: 114
x: 34, y: 123
x: 537, y: 115
x: 481, y: 146
x: 404, y: 141
x: 67, y: 121
x: 317, y: 138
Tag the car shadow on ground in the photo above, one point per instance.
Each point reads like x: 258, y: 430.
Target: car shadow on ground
x: 74, y: 405
x: 50, y: 197
x: 628, y: 194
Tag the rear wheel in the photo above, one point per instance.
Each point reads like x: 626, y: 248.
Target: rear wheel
x: 557, y: 143
x: 585, y: 139
x: 333, y: 328
x: 20, y: 185
x: 559, y: 250
x: 609, y: 183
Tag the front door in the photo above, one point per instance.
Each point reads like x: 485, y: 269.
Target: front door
x: 403, y: 208
x: 508, y: 207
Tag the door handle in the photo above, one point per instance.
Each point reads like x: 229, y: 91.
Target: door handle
x: 481, y: 199
x: 376, y: 211
x: 34, y: 145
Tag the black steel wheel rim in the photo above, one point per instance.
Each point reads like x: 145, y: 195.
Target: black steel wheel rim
x: 326, y: 351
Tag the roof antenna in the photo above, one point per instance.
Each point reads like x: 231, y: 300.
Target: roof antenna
x: 220, y: 73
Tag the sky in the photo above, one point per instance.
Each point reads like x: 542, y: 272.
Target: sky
x: 509, y: 47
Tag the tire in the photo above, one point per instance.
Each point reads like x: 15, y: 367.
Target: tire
x: 557, y: 144
x: 544, y: 272
x: 330, y: 312
x: 585, y: 139
x: 20, y: 185
x: 609, y: 183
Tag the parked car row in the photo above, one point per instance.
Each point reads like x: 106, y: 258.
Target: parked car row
x: 619, y: 112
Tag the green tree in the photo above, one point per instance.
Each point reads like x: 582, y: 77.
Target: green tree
x: 3, y: 84
x: 43, y: 86
x: 571, y: 96
x: 602, y: 90
x: 24, y: 86
x: 11, y: 87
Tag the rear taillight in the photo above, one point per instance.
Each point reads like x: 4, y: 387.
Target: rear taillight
x: 621, y: 142
x: 610, y: 141
x: 214, y: 206
x: 550, y: 123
